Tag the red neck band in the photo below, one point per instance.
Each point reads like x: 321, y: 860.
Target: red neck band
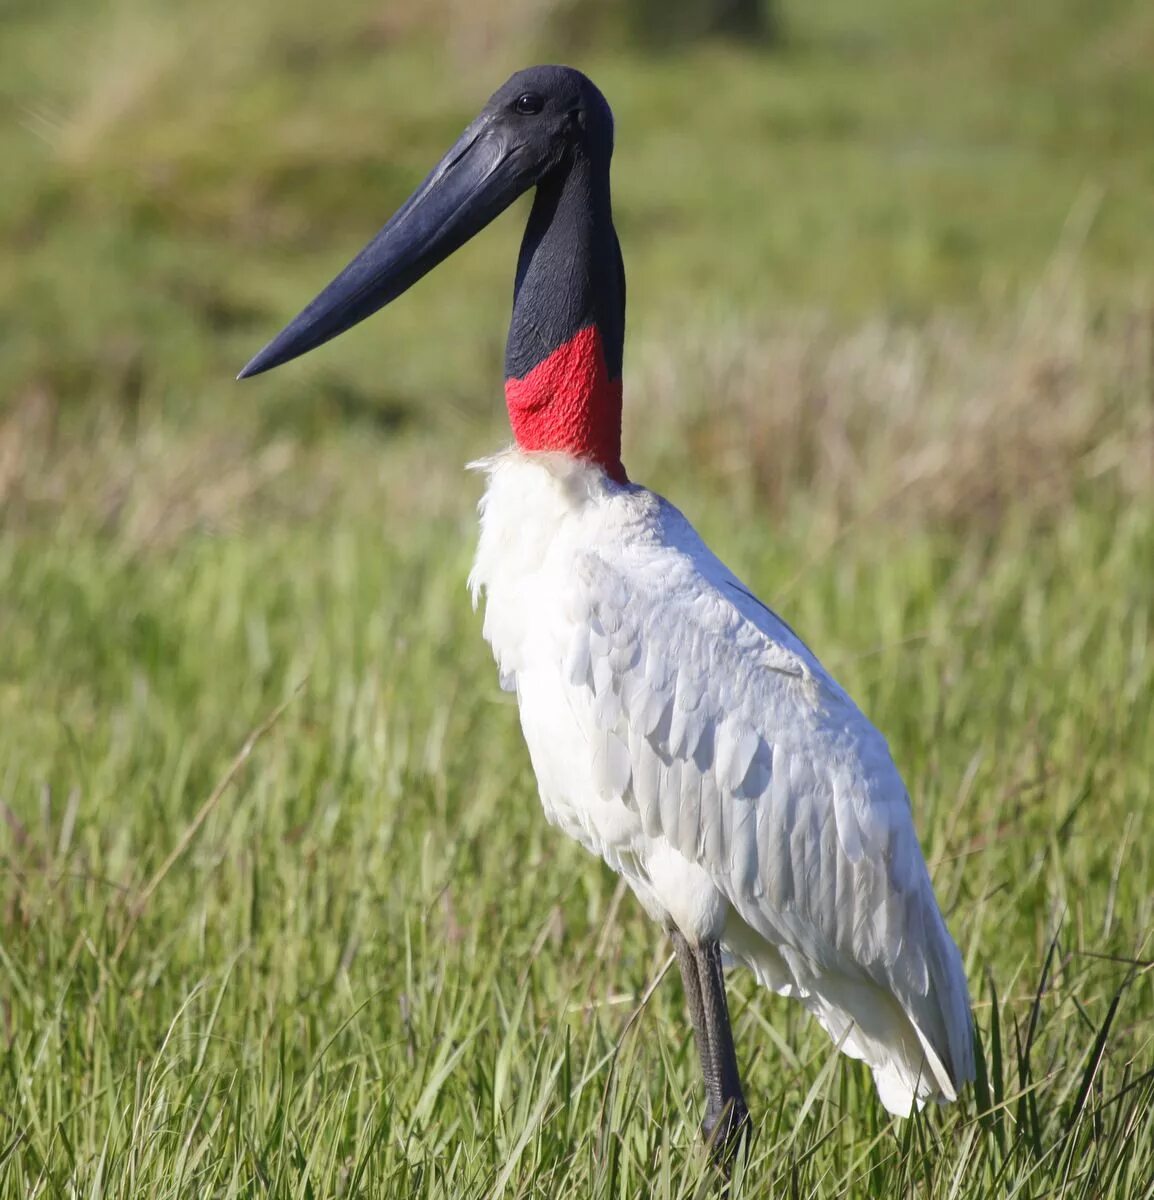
x: 568, y: 402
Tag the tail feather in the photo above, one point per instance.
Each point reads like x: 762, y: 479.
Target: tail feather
x: 867, y: 1022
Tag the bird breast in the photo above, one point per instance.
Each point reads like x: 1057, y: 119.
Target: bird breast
x: 540, y: 514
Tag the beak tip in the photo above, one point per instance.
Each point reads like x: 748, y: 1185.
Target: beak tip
x: 256, y: 365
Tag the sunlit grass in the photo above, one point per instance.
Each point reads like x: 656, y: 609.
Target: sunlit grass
x: 279, y: 913
x: 374, y: 962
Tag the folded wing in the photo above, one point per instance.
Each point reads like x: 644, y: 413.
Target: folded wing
x: 737, y: 748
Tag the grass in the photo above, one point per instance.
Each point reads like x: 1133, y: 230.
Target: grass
x: 279, y: 914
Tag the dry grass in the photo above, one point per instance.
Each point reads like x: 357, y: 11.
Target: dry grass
x: 952, y: 421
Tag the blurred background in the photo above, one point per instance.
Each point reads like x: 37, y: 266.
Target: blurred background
x: 181, y: 177
x: 890, y: 346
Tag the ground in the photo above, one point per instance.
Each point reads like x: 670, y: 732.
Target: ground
x: 279, y: 914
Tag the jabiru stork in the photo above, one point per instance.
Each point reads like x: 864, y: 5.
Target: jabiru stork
x: 677, y: 726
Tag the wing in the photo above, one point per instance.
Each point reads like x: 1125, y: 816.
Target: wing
x: 745, y: 755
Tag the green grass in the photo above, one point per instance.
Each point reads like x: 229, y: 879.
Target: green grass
x: 890, y: 348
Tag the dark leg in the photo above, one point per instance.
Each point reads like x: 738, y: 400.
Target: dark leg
x: 692, y: 985
x: 726, y: 1122
x: 726, y: 1116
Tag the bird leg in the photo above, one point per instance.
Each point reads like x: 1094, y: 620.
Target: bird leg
x: 726, y: 1123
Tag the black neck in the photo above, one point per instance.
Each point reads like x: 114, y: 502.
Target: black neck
x: 569, y: 273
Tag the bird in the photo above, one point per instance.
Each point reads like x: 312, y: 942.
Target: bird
x: 678, y: 727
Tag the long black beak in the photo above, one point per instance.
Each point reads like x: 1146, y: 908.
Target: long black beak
x: 484, y: 172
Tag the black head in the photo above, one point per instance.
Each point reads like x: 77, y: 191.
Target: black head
x: 555, y: 112
x: 538, y: 123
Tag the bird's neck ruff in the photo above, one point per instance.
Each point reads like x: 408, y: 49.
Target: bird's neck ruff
x: 563, y: 356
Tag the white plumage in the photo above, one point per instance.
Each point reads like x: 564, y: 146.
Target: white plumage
x: 682, y: 731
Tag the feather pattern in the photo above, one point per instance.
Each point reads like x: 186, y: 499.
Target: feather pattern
x: 682, y: 731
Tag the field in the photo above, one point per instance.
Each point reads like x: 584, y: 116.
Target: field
x: 279, y: 913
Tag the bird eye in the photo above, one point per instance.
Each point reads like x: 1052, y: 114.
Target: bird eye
x: 529, y: 104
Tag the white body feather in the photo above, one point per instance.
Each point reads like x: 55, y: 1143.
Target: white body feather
x: 683, y: 732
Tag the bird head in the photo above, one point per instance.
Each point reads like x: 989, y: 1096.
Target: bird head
x: 537, y: 123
